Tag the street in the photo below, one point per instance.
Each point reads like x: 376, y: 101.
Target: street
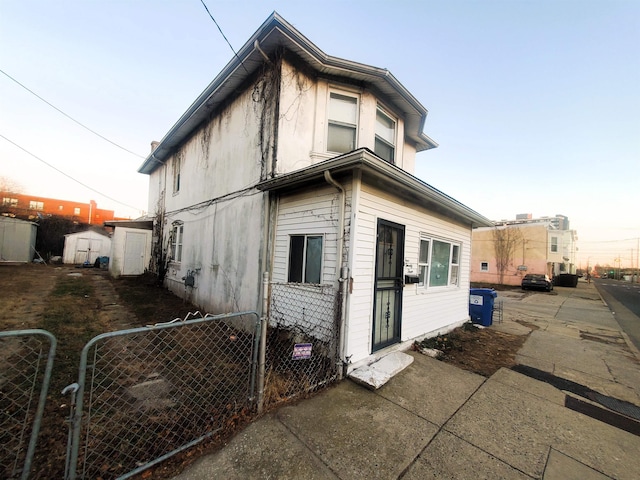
x: 623, y: 298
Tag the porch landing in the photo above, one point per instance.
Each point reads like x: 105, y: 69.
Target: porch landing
x: 381, y: 371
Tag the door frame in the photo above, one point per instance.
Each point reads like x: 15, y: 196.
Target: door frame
x: 398, y: 286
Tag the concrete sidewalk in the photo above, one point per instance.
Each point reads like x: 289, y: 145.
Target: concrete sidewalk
x: 434, y: 420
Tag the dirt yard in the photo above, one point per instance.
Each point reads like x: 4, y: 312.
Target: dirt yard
x: 76, y: 304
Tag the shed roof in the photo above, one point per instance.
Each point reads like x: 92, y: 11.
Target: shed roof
x: 273, y: 34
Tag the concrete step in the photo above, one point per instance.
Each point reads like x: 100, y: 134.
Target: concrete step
x: 378, y: 373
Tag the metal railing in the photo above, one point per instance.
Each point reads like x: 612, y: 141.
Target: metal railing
x: 301, y: 341
x: 26, y: 362
x: 147, y: 393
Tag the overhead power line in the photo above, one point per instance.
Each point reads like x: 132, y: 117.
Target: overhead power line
x: 70, y: 117
x: 223, y: 35
x: 67, y: 175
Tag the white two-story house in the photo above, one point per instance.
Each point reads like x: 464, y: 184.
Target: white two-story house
x: 301, y: 164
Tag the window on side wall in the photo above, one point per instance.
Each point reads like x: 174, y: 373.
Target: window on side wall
x: 76, y: 211
x: 176, y: 242
x: 343, y: 123
x: 484, y: 266
x: 176, y: 173
x: 35, y: 205
x: 385, y: 136
x: 438, y: 263
x: 305, y: 258
x: 554, y: 244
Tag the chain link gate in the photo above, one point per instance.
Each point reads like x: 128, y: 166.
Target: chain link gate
x: 302, y: 340
x: 26, y: 361
x: 147, y: 393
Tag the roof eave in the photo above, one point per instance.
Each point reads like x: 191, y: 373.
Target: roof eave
x: 366, y: 160
x: 273, y: 33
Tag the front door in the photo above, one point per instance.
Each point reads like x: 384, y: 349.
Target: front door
x: 387, y: 308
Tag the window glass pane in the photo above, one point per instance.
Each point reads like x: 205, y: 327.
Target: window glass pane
x: 385, y: 127
x: 454, y: 274
x: 342, y: 139
x: 384, y: 150
x: 296, y: 253
x: 313, y: 262
x: 454, y: 255
x: 424, y: 271
x: 424, y: 251
x: 343, y: 109
x: 440, y: 255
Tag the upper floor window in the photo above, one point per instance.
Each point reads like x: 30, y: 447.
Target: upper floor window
x: 385, y: 136
x: 343, y: 123
x: 484, y: 266
x: 10, y: 201
x: 177, y: 160
x: 554, y: 244
x: 34, y: 205
x: 76, y: 211
x: 305, y: 258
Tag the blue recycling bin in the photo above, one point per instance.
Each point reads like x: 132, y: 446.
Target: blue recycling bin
x: 481, y: 305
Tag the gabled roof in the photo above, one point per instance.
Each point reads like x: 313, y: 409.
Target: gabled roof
x: 273, y: 34
x: 384, y: 175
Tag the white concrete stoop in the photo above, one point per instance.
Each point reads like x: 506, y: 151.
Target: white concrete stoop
x: 381, y: 371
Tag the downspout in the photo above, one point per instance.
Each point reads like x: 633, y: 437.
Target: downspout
x: 344, y: 273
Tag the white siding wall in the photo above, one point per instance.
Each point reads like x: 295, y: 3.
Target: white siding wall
x: 423, y: 311
x: 312, y: 212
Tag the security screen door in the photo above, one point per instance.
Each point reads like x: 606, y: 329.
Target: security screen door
x: 387, y: 308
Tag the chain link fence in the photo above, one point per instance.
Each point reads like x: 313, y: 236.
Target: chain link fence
x: 148, y: 393
x: 302, y: 340
x: 26, y: 361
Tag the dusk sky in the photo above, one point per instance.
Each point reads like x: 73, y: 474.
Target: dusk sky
x: 534, y: 104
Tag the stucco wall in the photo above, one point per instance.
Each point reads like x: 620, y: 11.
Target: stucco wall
x: 302, y: 128
x: 529, y: 251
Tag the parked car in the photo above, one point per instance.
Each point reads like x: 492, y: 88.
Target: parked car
x: 537, y: 281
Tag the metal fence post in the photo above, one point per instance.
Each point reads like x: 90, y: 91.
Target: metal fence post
x: 264, y: 320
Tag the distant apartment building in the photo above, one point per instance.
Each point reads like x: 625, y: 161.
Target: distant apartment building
x: 30, y: 207
x: 503, y: 254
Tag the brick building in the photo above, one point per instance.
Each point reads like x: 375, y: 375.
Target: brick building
x: 29, y: 207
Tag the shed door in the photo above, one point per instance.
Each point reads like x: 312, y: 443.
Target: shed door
x: 387, y: 308
x: 82, y: 250
x: 134, y: 250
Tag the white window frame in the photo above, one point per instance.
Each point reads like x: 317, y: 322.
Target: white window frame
x: 303, y: 266
x: 36, y: 205
x: 453, y: 268
x: 554, y: 245
x: 330, y: 121
x: 484, y: 266
x: 378, y: 138
x: 177, y: 237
